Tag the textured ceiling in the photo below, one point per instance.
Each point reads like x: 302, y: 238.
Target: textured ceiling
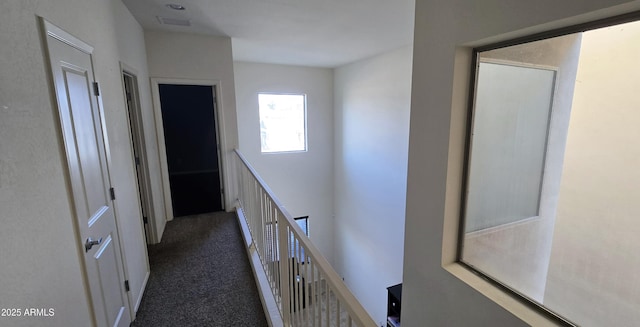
x: 321, y: 33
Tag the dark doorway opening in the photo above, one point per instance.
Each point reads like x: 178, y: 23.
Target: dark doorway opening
x: 191, y: 140
x: 140, y: 155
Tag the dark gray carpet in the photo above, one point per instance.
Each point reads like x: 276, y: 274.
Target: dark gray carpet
x: 201, y: 276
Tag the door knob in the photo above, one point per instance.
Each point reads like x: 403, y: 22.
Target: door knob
x: 90, y: 243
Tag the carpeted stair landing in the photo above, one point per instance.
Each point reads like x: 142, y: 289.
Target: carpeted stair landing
x: 201, y: 276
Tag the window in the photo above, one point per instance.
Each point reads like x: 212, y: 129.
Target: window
x: 282, y: 122
x: 552, y: 201
x: 303, y: 222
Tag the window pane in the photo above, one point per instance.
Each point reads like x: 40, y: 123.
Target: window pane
x: 553, y: 185
x: 282, y: 122
x: 512, y: 110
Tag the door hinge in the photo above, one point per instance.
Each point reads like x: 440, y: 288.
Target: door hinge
x: 145, y: 220
x: 221, y: 190
x: 126, y: 285
x: 96, y: 89
x: 129, y: 97
x: 137, y: 161
x: 112, y: 191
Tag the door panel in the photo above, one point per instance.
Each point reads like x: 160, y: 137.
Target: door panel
x: 82, y: 130
x: 105, y: 260
x: 84, y: 123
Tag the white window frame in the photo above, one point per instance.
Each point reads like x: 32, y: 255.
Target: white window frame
x: 304, y: 123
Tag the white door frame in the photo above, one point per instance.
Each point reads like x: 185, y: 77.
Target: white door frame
x: 142, y: 179
x: 162, y: 153
x: 136, y: 127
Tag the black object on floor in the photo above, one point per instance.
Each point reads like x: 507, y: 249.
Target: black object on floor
x: 201, y: 276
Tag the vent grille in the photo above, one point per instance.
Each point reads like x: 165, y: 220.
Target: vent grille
x: 173, y: 21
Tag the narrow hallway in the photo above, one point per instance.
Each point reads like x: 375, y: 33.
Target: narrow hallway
x: 200, y: 276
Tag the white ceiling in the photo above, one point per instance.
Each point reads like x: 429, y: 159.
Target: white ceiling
x: 320, y: 33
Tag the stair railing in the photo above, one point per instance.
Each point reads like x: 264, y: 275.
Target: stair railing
x: 307, y: 289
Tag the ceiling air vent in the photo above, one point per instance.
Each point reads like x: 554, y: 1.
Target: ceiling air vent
x: 174, y: 21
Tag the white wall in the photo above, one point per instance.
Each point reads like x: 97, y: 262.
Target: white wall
x: 41, y: 255
x: 371, y: 140
x: 200, y: 57
x: 303, y: 181
x: 593, y: 275
x: 444, y: 32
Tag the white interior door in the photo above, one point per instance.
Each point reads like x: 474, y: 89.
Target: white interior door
x: 82, y: 130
